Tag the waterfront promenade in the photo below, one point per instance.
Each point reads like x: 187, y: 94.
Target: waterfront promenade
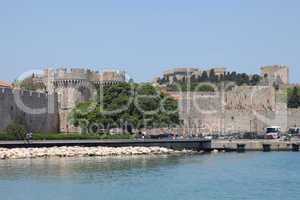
x: 176, y: 144
x: 255, y: 145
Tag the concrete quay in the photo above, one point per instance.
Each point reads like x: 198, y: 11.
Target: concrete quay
x: 255, y: 145
x: 175, y: 144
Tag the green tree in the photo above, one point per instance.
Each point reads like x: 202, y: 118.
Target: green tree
x: 294, y: 98
x: 17, y: 129
x: 213, y: 78
x: 242, y: 79
x: 126, y: 105
x: 131, y: 80
x: 205, y: 88
x: 232, y: 77
x: 193, y: 78
x: 204, y: 77
x: 255, y: 79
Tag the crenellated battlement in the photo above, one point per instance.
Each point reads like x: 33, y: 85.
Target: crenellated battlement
x: 67, y: 74
x: 64, y: 74
x: 22, y: 93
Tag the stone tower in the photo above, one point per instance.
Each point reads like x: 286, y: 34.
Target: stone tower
x: 276, y: 74
x: 74, y: 86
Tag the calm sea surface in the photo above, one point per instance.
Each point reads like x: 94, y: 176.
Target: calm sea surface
x: 256, y: 176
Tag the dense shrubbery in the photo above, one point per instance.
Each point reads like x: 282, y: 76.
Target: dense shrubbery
x: 16, y: 130
x: 8, y: 136
x: 196, y: 87
x: 204, y: 88
x: 294, y: 97
x: 127, y: 106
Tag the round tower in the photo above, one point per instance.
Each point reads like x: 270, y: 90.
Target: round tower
x: 72, y: 87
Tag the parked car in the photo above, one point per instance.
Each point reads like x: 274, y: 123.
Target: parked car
x: 294, y: 131
x: 208, y: 137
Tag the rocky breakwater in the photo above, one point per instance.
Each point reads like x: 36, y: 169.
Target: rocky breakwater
x: 22, y: 153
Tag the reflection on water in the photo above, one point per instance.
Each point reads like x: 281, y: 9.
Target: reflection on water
x: 222, y: 176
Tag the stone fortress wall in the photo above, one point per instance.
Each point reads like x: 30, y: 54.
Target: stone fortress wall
x: 39, y: 113
x: 64, y: 89
x: 294, y: 117
x: 240, y: 109
x: 243, y: 109
x: 74, y: 86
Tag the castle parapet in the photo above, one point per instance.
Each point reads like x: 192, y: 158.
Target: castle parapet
x: 77, y: 75
x: 110, y: 77
x: 276, y: 74
x: 72, y: 74
x: 9, y: 91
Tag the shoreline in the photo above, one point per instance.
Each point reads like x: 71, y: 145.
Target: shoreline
x: 47, y: 152
x: 44, y: 149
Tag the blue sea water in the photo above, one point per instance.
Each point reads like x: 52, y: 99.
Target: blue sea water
x: 257, y: 176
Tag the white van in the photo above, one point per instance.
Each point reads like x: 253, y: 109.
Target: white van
x: 273, y: 132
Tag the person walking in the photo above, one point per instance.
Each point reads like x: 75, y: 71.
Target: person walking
x: 28, y: 137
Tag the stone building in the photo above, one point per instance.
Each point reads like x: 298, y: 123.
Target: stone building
x: 219, y: 71
x: 278, y: 74
x: 186, y: 72
x: 179, y: 73
x: 76, y: 85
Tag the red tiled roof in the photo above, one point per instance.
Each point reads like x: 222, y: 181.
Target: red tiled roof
x: 5, y: 84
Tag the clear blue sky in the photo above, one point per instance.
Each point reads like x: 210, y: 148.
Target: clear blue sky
x: 147, y: 37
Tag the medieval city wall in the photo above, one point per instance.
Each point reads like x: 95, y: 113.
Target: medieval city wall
x: 39, y: 111
x: 73, y: 86
x: 294, y: 117
x: 241, y: 109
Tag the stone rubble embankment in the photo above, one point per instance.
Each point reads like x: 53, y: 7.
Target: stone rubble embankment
x: 22, y: 153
